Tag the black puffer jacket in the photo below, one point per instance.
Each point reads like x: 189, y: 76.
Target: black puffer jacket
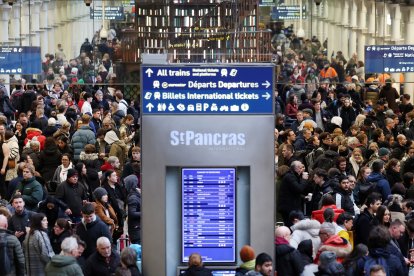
x: 288, y: 260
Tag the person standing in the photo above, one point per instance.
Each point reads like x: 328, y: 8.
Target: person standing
x: 367, y: 220
x: 134, y: 208
x: 90, y: 229
x: 65, y: 263
x: 30, y: 190
x: 73, y: 195
x: 288, y: 259
x: 21, y: 219
x: 37, y: 248
x: 14, y: 250
x: 293, y: 185
x: 104, y: 261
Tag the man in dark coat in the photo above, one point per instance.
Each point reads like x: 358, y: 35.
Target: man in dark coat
x: 90, y: 229
x: 14, y: 249
x: 294, y: 183
x: 104, y: 261
x: 366, y: 220
x: 390, y: 94
x: 21, y: 218
x: 72, y: 194
x: 288, y: 259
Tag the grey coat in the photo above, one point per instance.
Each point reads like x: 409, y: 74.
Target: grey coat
x: 38, y: 252
x: 15, y: 253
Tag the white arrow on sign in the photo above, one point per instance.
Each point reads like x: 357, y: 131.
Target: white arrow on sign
x: 267, y: 84
x: 149, y: 72
x: 150, y: 106
x: 267, y: 96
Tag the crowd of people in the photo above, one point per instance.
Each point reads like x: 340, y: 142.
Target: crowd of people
x: 344, y: 161
x: 69, y: 171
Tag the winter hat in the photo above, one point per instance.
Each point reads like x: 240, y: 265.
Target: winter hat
x: 383, y: 152
x: 247, y: 253
x: 111, y: 137
x: 99, y: 193
x: 51, y: 122
x: 99, y: 92
x: 309, y: 111
x: 54, y: 96
x: 336, y: 120
x: 355, y: 77
x: 326, y: 258
x: 72, y: 172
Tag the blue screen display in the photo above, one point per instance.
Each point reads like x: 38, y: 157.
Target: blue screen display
x: 224, y: 90
x: 216, y: 272
x: 209, y: 214
x: 389, y: 58
x: 20, y: 60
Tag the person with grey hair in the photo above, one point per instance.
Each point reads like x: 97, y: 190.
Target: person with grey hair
x: 294, y: 183
x: 104, y: 261
x: 65, y: 263
x: 332, y: 242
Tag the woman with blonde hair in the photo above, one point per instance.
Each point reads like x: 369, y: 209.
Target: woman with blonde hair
x: 196, y: 267
x: 356, y: 160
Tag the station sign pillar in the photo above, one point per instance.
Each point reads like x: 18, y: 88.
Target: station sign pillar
x: 207, y: 163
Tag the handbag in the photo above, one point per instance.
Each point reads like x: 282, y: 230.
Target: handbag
x: 11, y: 163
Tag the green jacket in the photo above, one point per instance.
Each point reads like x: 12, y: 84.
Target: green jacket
x: 63, y: 265
x: 32, y: 192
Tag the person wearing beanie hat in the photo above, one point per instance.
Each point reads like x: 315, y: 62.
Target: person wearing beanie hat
x: 104, y: 210
x: 73, y: 195
x: 51, y: 127
x: 288, y: 259
x: 248, y: 258
x: 328, y: 264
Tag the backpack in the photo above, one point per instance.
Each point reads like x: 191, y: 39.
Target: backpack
x: 367, y: 189
x: 16, y: 99
x: 5, y: 262
x: 370, y: 262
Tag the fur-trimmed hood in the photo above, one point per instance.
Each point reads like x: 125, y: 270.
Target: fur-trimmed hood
x: 311, y: 226
x: 88, y: 156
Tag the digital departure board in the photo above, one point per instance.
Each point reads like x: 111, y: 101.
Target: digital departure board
x: 209, y: 214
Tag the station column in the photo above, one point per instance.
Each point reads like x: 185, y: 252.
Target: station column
x: 362, y: 30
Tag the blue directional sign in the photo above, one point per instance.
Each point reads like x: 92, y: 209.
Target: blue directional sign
x: 389, y: 58
x: 20, y: 60
x: 211, y: 89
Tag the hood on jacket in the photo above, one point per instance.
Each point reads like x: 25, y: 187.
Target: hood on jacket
x: 12, y: 139
x: 306, y: 247
x: 34, y: 131
x: 131, y: 183
x: 88, y: 156
x: 111, y: 137
x: 375, y: 177
x: 337, y: 245
x: 62, y: 260
x: 379, y: 252
x: 311, y: 226
x: 249, y: 265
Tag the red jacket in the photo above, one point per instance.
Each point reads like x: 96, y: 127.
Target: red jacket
x: 318, y: 214
x: 35, y: 132
x: 336, y: 244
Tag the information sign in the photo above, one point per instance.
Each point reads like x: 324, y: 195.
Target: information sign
x: 389, y: 58
x: 209, y: 214
x: 111, y: 13
x: 288, y: 12
x: 207, y: 89
x: 20, y: 60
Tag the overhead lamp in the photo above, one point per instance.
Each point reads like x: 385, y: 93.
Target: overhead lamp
x: 318, y: 2
x: 87, y: 2
x: 11, y: 2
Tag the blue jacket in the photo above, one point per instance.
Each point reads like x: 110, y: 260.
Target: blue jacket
x: 383, y: 185
x: 83, y: 136
x: 394, y: 265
